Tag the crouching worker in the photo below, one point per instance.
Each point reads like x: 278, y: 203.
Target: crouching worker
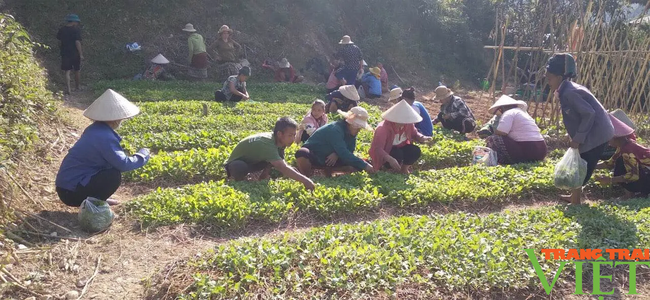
x: 262, y: 151
x: 234, y: 88
x: 93, y: 167
x: 343, y: 99
x: 332, y: 146
x: 156, y: 70
x: 454, y: 112
x: 516, y: 138
x: 392, y: 143
x: 631, y: 162
x: 315, y: 118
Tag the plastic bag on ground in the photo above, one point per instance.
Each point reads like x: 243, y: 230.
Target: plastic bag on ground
x: 95, y: 215
x: 485, y: 156
x: 571, y: 171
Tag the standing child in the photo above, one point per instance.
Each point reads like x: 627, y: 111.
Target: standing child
x: 315, y: 118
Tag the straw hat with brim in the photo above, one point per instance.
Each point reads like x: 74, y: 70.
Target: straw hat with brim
x: 505, y: 101
x: 189, y: 28
x: 375, y: 71
x: 224, y: 28
x: 356, y: 116
x: 620, y: 129
x: 442, y: 92
x: 346, y: 40
x: 160, y: 60
x: 402, y: 113
x: 395, y: 93
x: 284, y: 63
x: 619, y: 114
x: 111, y: 106
x: 350, y: 92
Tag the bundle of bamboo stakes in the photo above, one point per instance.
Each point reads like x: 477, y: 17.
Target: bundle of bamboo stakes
x: 613, y: 59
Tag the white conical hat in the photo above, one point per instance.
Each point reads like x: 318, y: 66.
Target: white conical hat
x: 402, y: 113
x: 111, y: 106
x: 160, y: 59
x: 505, y: 101
x: 619, y: 114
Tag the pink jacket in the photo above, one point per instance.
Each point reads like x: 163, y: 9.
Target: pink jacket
x: 382, y: 142
x: 310, y: 124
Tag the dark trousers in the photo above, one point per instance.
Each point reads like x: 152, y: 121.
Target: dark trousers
x: 101, y: 186
x: 405, y: 155
x: 640, y: 186
x: 306, y: 153
x: 460, y: 124
x: 592, y: 157
x: 239, y: 169
x: 221, y: 97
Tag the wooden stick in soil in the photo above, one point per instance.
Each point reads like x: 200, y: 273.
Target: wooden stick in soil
x: 21, y: 188
x: 400, y: 78
x: 46, y: 220
x: 85, y: 289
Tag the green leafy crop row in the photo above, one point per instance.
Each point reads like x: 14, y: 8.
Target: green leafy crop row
x: 143, y: 91
x: 274, y: 200
x: 207, y: 164
x: 432, y: 255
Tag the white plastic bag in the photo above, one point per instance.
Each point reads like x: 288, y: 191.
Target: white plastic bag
x: 485, y: 156
x: 95, y: 215
x: 571, y: 171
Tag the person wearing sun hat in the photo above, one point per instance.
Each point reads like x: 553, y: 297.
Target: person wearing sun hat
x: 198, y: 55
x: 283, y: 71
x: 371, y: 83
x: 227, y: 53
x: 156, y: 70
x: 630, y: 162
x: 71, y: 51
x: 352, y: 61
x: 93, y: 166
x: 332, y: 146
x: 516, y: 138
x: 586, y: 121
x: 392, y: 144
x: 345, y: 98
x: 454, y: 112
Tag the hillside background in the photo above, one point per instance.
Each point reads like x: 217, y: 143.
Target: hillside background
x: 422, y: 39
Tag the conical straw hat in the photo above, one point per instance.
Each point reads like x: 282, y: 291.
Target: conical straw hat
x: 160, y: 59
x: 505, y: 101
x: 620, y: 128
x: 350, y: 92
x: 111, y: 106
x: 619, y: 114
x: 402, y: 113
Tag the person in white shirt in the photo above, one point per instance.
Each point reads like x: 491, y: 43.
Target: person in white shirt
x: 517, y: 138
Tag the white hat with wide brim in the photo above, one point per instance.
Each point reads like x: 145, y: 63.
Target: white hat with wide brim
x: 402, y: 113
x: 619, y: 114
x: 111, y: 106
x: 350, y: 92
x: 395, y: 93
x: 189, y: 28
x: 284, y: 63
x: 505, y: 101
x: 356, y: 116
x: 160, y: 59
x: 346, y: 40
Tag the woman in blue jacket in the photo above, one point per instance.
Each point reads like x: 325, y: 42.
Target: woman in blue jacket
x: 93, y: 166
x: 425, y: 127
